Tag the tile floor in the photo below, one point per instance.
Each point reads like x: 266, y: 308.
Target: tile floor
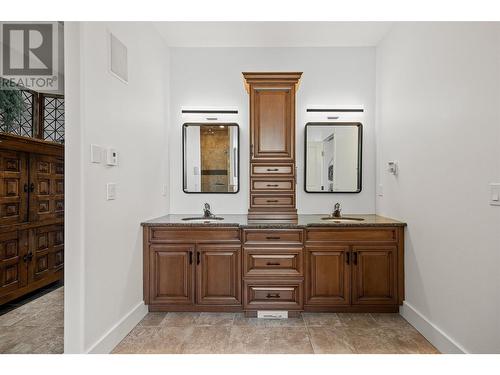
x: 34, y: 325
x: 227, y: 333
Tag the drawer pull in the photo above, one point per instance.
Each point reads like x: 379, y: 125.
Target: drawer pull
x: 272, y: 264
x: 273, y: 238
x: 355, y: 258
x: 272, y: 185
x: 272, y: 169
x: 272, y: 201
x: 274, y: 295
x: 190, y: 257
x: 347, y: 257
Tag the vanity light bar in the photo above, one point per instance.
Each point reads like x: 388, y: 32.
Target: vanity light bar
x: 335, y: 110
x: 211, y: 111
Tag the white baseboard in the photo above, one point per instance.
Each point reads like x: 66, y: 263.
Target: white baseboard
x: 118, y: 332
x: 444, y: 343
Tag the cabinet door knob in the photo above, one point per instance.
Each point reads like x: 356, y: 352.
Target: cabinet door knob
x: 190, y: 257
x: 198, y: 258
x: 32, y: 187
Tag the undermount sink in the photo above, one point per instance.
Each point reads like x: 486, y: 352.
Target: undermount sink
x: 341, y: 219
x: 203, y: 219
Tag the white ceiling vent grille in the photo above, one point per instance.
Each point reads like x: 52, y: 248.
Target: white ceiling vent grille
x: 118, y: 58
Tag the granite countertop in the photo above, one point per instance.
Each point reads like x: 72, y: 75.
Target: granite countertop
x: 303, y: 221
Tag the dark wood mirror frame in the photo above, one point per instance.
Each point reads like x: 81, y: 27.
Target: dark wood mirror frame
x: 360, y: 155
x: 184, y: 126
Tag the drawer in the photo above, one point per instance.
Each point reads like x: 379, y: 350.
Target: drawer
x: 272, y: 262
x: 261, y: 184
x: 190, y: 234
x: 272, y: 169
x: 277, y: 295
x: 270, y: 237
x: 352, y: 234
x: 272, y: 200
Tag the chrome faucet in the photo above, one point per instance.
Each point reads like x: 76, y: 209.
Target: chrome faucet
x: 336, y: 210
x: 206, y: 211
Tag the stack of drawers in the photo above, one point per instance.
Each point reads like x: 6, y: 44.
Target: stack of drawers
x: 273, y: 269
x: 272, y: 190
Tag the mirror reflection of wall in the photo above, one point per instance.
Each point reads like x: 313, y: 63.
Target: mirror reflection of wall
x: 333, y: 157
x: 210, y: 158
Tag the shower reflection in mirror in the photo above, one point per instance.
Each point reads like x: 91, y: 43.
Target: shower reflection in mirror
x: 210, y: 158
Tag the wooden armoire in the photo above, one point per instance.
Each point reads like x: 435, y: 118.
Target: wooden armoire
x: 31, y: 215
x: 272, y: 145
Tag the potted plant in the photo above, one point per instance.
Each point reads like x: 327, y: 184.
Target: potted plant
x: 11, y: 104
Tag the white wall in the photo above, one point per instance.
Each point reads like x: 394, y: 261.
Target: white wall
x: 212, y: 77
x: 104, y: 238
x: 438, y: 101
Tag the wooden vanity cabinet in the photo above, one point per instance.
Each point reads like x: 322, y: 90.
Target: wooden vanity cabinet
x: 272, y: 144
x: 322, y: 269
x: 354, y: 269
x: 192, y: 269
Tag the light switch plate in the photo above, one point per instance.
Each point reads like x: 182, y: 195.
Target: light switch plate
x: 110, y: 191
x: 111, y: 156
x: 380, y: 190
x: 495, y: 194
x: 95, y: 154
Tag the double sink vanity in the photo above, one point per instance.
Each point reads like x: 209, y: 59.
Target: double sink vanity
x: 273, y: 259
x: 236, y: 264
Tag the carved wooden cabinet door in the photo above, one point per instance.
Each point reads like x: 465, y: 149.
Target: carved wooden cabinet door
x: 46, y: 251
x: 374, y: 274
x: 272, y: 123
x: 327, y: 275
x: 13, y: 269
x: 171, y: 274
x: 46, y: 187
x: 13, y: 187
x: 218, y: 275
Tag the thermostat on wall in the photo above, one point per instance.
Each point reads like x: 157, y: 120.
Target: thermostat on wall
x: 112, y: 157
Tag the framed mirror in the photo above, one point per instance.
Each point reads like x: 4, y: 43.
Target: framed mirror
x: 333, y: 154
x: 210, y: 162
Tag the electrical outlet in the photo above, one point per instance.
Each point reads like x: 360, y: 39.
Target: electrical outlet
x: 380, y: 190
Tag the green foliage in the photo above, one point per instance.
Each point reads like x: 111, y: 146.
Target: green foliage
x: 11, y: 103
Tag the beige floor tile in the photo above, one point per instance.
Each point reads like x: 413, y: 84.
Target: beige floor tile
x: 207, y: 340
x: 168, y: 340
x: 153, y: 319
x: 360, y: 320
x: 218, y: 319
x: 247, y: 339
x: 180, y: 319
x: 289, y: 340
x: 136, y: 340
x: 330, y: 340
x: 322, y: 320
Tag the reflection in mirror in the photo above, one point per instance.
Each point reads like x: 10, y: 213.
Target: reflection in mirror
x: 210, y: 158
x: 333, y: 157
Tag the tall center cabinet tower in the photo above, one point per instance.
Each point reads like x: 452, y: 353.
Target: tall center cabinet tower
x: 272, y: 145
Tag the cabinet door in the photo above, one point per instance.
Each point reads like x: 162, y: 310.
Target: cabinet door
x: 374, y: 274
x: 13, y: 267
x: 272, y: 123
x: 171, y: 273
x: 327, y: 275
x: 218, y: 280
x: 13, y: 187
x: 46, y: 187
x: 46, y: 252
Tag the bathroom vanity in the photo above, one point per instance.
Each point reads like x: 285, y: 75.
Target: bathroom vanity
x: 236, y: 264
